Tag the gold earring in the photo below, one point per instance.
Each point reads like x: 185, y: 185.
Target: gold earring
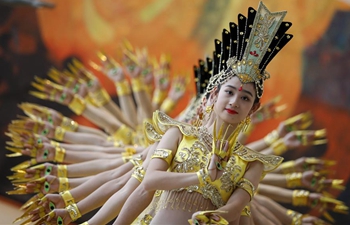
x: 209, y: 109
x: 246, y: 123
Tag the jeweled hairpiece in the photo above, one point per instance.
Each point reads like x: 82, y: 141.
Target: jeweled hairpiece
x: 249, y: 47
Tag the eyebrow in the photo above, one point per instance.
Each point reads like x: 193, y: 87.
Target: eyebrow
x: 246, y: 91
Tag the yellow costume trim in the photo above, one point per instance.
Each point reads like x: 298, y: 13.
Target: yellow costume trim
x: 123, y: 134
x: 100, y: 97
x: 150, y: 133
x: 64, y: 184
x: 67, y: 198
x: 59, y: 154
x: 136, y: 160
x: 138, y: 173
x: 55, y: 143
x: 123, y: 88
x: 246, y: 185
x: 62, y: 171
x: 296, y: 217
x: 278, y: 147
x: 288, y: 167
x: 137, y: 85
x: 300, y: 197
x: 164, y: 154
x: 294, y: 180
x: 73, y: 211
x: 59, y: 133
x: 158, y: 96
x: 69, y: 124
x: 77, y: 105
x: 167, y: 105
x: 204, y: 217
x: 271, y: 137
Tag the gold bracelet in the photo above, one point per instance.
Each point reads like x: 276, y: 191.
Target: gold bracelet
x: 60, y: 153
x: 158, y: 96
x: 59, y: 133
x: 123, y: 88
x: 100, y: 97
x: 279, y: 147
x: 288, y: 167
x: 167, y: 105
x: 123, y: 134
x: 129, y: 151
x: 137, y: 85
x: 77, y: 105
x: 62, y: 170
x: 69, y: 124
x: 67, y: 198
x: 300, y: 197
x: 138, y: 173
x: 136, y: 160
x: 55, y: 143
x: 203, y: 177
x: 294, y: 180
x: 271, y: 137
x: 64, y: 184
x: 73, y: 211
x: 296, y: 217
x: 246, y: 185
x: 164, y: 154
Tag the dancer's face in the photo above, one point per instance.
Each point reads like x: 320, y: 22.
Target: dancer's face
x: 234, y: 104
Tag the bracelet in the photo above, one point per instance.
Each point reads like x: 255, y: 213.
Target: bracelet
x: 167, y: 105
x: 67, y: 198
x: 62, y: 171
x: 129, y: 151
x: 246, y: 185
x: 64, y: 184
x: 100, y: 97
x: 73, y: 211
x: 296, y: 217
x: 123, y: 134
x: 69, y: 124
x: 300, y: 197
x: 288, y: 167
x: 164, y: 154
x: 278, y: 147
x: 137, y: 85
x: 77, y: 105
x: 138, y: 173
x: 59, y: 133
x: 123, y: 88
x: 203, y: 177
x: 59, y: 154
x: 294, y: 180
x: 54, y: 143
x: 271, y: 137
x: 158, y: 96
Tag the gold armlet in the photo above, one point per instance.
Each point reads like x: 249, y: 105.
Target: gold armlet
x: 77, y: 105
x: 278, y: 147
x: 296, y: 217
x: 123, y: 134
x: 158, y: 96
x: 300, y: 197
x: 67, y: 198
x: 164, y: 154
x: 54, y: 143
x: 137, y: 85
x: 69, y: 124
x: 136, y: 160
x: 138, y: 173
x: 129, y: 151
x: 62, y: 171
x: 288, y: 167
x: 294, y: 180
x: 64, y: 184
x: 73, y: 211
x: 167, y: 105
x: 100, y: 97
x: 246, y: 185
x: 60, y: 153
x: 59, y: 133
x: 123, y: 88
x: 271, y: 137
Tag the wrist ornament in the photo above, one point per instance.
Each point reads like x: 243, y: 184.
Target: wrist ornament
x: 123, y: 87
x: 288, y: 167
x: 300, y: 197
x: 137, y: 85
x: 167, y: 105
x: 64, y: 184
x: 77, y: 105
x: 62, y: 170
x: 73, y: 211
x: 67, y: 198
x: 246, y: 185
x: 295, y: 216
x: 278, y: 147
x: 100, y: 97
x: 69, y: 124
x: 123, y: 134
x: 158, y: 96
x: 294, y: 180
x: 271, y: 137
x: 60, y: 153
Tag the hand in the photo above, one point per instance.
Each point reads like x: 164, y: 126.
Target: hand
x: 312, y: 220
x: 57, y: 216
x: 267, y: 111
x: 208, y: 217
x: 298, y: 122
x: 42, y: 170
x: 178, y: 88
x: 317, y: 182
x: 45, y: 185
x: 296, y: 139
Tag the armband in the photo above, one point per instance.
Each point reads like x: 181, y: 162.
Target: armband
x: 300, y: 197
x: 123, y: 134
x: 64, y: 184
x: 271, y: 137
x: 73, y: 211
x: 69, y: 124
x: 164, y: 154
x: 246, y: 185
x: 288, y: 167
x: 123, y: 88
x: 138, y: 173
x: 167, y: 105
x: 62, y: 170
x: 137, y: 85
x: 67, y: 198
x: 59, y: 133
x: 77, y: 105
x: 279, y: 147
x: 59, y: 154
x: 294, y: 180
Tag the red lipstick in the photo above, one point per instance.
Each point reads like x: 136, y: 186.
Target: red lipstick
x: 230, y: 111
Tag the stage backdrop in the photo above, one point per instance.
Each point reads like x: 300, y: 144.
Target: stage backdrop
x: 310, y: 73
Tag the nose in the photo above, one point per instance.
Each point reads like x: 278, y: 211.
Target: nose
x: 234, y: 102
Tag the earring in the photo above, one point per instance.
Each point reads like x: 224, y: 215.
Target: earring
x: 246, y: 123
x: 209, y: 109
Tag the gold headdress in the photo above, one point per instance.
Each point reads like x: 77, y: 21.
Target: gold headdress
x: 248, y: 47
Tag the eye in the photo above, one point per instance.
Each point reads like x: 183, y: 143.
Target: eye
x: 245, y: 98
x: 229, y: 92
